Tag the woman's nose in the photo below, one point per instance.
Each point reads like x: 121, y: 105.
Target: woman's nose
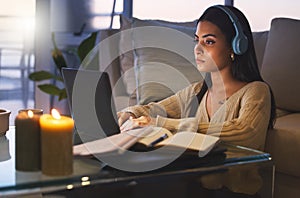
x: 198, y: 49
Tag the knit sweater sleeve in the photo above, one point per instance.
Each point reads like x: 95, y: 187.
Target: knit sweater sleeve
x: 170, y: 107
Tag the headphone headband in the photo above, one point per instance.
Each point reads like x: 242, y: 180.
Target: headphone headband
x: 240, y: 40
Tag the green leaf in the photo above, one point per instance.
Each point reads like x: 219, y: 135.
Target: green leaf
x: 87, y: 45
x: 57, y: 55
x: 50, y: 89
x: 58, y: 59
x: 62, y: 95
x: 43, y: 75
x: 53, y: 90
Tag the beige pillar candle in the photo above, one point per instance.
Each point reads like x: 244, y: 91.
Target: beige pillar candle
x: 56, y: 144
x: 28, y: 151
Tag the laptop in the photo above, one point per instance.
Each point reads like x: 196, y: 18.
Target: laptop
x: 91, y: 104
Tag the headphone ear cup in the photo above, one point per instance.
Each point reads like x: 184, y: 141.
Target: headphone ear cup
x: 240, y: 44
x: 240, y: 40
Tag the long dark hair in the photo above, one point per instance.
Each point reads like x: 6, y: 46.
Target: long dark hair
x: 245, y: 67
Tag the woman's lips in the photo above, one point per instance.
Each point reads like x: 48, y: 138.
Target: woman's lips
x: 200, y: 61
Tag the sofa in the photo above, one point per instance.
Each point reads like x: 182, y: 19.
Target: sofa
x: 136, y: 78
x: 280, y: 67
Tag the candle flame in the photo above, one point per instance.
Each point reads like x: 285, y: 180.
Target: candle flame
x: 30, y: 114
x: 55, y: 114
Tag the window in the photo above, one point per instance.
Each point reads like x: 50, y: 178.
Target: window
x: 85, y: 15
x: 102, y: 11
x: 260, y: 13
x: 16, y: 54
x: 171, y: 10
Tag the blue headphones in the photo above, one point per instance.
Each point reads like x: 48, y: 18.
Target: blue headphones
x: 240, y: 40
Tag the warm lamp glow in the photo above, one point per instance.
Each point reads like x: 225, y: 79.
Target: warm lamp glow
x: 30, y: 114
x: 55, y: 114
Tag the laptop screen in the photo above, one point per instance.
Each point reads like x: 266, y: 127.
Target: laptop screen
x: 99, y: 100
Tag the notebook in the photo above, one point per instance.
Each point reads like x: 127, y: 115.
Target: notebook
x: 91, y: 104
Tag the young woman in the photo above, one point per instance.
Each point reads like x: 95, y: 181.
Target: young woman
x: 234, y: 101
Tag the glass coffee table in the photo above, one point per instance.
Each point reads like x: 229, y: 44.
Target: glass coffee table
x: 239, y: 169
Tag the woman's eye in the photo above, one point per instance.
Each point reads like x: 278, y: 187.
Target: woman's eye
x: 209, y: 42
x: 196, y: 40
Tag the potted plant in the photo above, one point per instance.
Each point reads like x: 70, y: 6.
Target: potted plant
x: 51, y: 88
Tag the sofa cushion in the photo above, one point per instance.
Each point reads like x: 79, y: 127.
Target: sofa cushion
x: 286, y: 186
x: 280, y: 67
x: 260, y: 40
x: 164, y: 59
x: 127, y: 57
x: 283, y: 144
x: 109, y: 55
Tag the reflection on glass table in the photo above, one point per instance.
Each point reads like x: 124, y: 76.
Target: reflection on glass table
x: 241, y: 169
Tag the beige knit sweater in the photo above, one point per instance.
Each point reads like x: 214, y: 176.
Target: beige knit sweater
x: 242, y: 120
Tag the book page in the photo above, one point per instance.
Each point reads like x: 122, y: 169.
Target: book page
x: 121, y: 141
x: 191, y: 140
x: 147, y: 135
x: 157, y: 133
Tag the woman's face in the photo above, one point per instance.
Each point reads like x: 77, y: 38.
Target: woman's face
x: 212, y: 51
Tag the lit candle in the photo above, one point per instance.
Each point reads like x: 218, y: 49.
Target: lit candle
x: 35, y: 111
x: 56, y: 144
x: 28, y: 152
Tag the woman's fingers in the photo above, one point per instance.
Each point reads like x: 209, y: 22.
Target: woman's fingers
x: 135, y: 123
x: 122, y: 117
x: 126, y: 125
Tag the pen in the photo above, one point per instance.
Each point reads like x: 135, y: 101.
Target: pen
x: 144, y: 131
x: 161, y: 138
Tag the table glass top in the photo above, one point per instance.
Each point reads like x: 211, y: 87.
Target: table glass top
x: 89, y: 171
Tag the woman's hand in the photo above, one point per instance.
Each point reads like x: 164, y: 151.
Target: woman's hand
x: 124, y: 116
x: 133, y: 123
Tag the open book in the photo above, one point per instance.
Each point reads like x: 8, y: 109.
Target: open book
x: 148, y: 138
